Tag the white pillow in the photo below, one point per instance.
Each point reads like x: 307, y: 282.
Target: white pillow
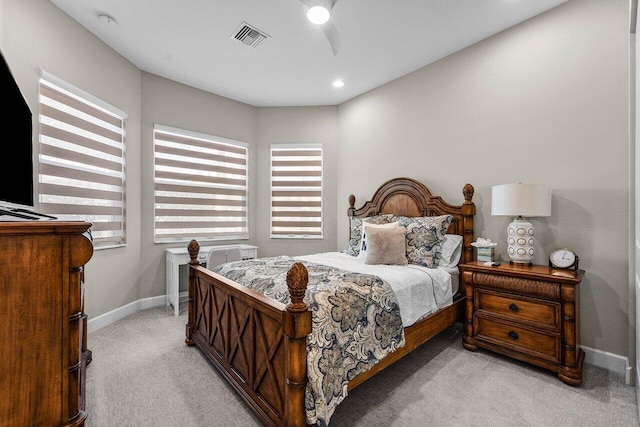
x: 451, y: 251
x: 363, y: 245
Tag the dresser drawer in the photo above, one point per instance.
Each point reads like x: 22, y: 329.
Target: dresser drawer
x: 542, y: 314
x: 543, y: 345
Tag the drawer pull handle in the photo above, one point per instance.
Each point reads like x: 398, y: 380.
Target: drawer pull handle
x: 514, y: 308
x: 513, y: 335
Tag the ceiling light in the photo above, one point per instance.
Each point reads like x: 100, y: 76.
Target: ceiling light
x: 338, y: 83
x: 318, y: 14
x: 107, y: 19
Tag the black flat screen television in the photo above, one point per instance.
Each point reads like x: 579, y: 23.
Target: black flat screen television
x: 16, y: 160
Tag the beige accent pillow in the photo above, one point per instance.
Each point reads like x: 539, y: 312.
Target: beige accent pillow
x: 386, y: 246
x: 356, y: 230
x: 365, y: 228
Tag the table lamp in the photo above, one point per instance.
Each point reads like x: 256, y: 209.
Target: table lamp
x: 521, y: 201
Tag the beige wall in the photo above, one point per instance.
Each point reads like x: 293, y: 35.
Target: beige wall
x: 546, y: 101
x: 634, y: 244
x: 280, y: 125
x: 168, y: 103
x: 37, y: 35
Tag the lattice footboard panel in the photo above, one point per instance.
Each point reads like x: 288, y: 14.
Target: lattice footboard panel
x: 245, y: 341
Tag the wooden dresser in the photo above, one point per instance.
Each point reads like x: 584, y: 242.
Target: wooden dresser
x: 42, y: 324
x: 530, y: 313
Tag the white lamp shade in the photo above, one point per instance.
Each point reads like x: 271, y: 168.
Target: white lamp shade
x: 527, y: 200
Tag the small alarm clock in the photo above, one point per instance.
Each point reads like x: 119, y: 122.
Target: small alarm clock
x: 564, y: 258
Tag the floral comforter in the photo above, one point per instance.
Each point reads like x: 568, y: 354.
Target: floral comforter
x: 355, y: 317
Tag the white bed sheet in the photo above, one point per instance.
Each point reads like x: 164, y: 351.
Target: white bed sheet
x: 419, y: 290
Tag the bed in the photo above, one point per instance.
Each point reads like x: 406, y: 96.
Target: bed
x: 262, y: 346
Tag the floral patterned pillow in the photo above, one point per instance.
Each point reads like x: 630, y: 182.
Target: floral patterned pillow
x: 424, y: 238
x: 355, y: 224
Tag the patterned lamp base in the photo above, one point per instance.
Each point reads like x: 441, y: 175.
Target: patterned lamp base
x: 520, y: 241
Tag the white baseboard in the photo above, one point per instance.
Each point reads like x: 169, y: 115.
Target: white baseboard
x: 610, y: 361
x: 112, y: 316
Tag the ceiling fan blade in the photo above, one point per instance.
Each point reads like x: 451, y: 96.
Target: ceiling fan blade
x: 333, y: 35
x: 328, y: 28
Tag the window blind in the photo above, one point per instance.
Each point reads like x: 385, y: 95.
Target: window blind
x: 296, y: 191
x: 81, y: 163
x: 200, y: 186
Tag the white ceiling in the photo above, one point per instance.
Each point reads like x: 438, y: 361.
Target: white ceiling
x: 191, y: 41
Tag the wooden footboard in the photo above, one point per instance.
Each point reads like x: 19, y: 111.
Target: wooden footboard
x: 257, y: 343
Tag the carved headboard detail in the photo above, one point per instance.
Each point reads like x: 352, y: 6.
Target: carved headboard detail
x: 408, y: 197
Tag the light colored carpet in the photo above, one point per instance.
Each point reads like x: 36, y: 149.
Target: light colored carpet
x: 143, y: 374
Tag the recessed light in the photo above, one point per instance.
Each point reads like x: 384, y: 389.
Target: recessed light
x: 318, y: 14
x: 338, y: 83
x: 107, y: 19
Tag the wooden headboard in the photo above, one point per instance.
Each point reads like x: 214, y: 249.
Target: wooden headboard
x: 408, y: 197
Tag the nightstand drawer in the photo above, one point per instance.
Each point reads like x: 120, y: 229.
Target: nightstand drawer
x: 544, y: 346
x: 530, y: 287
x: 521, y: 309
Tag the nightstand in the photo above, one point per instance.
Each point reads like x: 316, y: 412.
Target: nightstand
x: 529, y: 313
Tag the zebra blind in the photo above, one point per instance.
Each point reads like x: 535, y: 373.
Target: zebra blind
x: 81, y: 162
x: 200, y: 186
x: 296, y: 191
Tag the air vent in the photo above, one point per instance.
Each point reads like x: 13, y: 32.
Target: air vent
x: 249, y: 35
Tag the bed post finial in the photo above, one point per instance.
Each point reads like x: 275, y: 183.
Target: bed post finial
x: 352, y: 206
x: 297, y: 279
x: 468, y: 191
x: 193, y: 248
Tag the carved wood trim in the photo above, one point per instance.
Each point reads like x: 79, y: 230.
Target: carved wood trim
x: 530, y: 287
x: 408, y: 197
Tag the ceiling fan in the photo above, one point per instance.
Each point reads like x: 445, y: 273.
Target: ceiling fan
x: 319, y: 12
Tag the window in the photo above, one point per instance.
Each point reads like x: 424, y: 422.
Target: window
x: 200, y: 186
x: 296, y: 191
x: 81, y: 165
